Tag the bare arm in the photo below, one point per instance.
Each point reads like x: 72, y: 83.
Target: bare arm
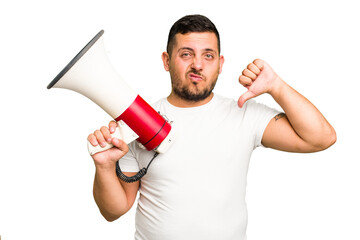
x: 113, y: 196
x: 303, y: 128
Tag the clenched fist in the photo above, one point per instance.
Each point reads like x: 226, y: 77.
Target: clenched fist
x: 102, y: 136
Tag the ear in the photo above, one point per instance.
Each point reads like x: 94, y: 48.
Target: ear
x: 166, y: 59
x: 222, y: 60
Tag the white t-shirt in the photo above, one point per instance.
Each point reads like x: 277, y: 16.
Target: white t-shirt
x: 196, y: 190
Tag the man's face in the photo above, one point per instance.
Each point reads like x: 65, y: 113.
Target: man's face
x: 194, y: 66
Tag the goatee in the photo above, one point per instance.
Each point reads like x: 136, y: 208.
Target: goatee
x: 194, y: 95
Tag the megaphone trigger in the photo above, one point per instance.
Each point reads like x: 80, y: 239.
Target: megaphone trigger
x: 123, y: 132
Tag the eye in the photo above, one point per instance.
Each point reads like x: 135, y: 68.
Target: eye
x: 185, y: 54
x: 209, y: 56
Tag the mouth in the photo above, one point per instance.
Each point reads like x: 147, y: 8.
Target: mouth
x: 195, y: 77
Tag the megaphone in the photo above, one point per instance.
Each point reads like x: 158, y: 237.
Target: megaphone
x: 91, y: 74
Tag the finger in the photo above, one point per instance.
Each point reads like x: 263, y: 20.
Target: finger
x: 120, y: 144
x: 243, y: 98
x: 106, y: 134
x: 249, y: 74
x: 245, y: 81
x: 252, y: 67
x: 259, y: 63
x: 92, y: 139
x: 100, y: 138
x: 112, y: 126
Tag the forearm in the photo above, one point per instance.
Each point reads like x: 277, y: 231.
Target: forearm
x: 109, y: 194
x: 306, y: 120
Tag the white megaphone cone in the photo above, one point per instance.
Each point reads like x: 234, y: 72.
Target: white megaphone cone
x: 91, y: 74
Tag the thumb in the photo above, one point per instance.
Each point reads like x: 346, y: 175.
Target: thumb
x: 120, y: 144
x: 243, y: 98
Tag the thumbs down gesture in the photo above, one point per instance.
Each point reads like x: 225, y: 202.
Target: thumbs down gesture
x: 258, y: 77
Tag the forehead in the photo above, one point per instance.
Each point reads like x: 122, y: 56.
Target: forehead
x: 196, y: 41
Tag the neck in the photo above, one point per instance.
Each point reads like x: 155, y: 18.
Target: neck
x: 176, y: 101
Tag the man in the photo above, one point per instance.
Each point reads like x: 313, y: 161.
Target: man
x: 196, y: 190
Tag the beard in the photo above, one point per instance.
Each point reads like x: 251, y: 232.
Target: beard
x: 192, y: 92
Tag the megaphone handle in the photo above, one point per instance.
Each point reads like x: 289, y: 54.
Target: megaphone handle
x: 123, y: 132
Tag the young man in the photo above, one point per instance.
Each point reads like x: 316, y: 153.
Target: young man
x: 196, y: 190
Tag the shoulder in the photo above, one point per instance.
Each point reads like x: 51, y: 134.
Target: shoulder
x: 251, y: 109
x: 158, y: 103
x: 229, y: 104
x: 222, y: 102
x: 232, y: 103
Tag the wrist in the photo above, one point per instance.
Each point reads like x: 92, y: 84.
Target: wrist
x: 277, y: 87
x: 105, y: 167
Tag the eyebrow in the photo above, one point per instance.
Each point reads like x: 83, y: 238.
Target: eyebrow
x: 185, y: 48
x: 210, y: 50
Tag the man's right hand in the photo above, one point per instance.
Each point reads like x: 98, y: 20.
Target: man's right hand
x: 108, y: 158
x: 113, y: 196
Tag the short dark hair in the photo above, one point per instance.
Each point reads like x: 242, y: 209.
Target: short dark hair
x: 189, y: 24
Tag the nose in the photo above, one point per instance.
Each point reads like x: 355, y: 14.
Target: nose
x: 197, y: 63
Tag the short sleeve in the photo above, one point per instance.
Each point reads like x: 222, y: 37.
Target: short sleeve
x: 128, y: 163
x: 261, y: 116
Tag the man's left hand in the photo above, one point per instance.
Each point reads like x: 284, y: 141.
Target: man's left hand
x: 258, y: 78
